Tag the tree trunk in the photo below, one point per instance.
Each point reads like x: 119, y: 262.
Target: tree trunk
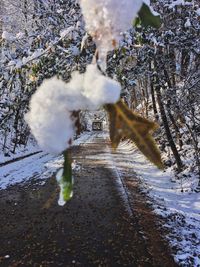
x: 167, y: 129
x: 185, y: 60
x: 153, y: 95
x: 178, y: 134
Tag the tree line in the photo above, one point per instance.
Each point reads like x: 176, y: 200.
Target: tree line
x: 158, y: 69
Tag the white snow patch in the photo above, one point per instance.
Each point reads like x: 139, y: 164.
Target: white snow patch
x: 20, y: 151
x: 7, y: 36
x: 179, y: 3
x: 107, y: 19
x: 198, y: 11
x: 49, y: 119
x: 38, y: 167
x: 100, y: 89
x: 66, y: 32
x: 20, y: 35
x: 82, y: 139
x: 172, y: 199
x: 187, y: 23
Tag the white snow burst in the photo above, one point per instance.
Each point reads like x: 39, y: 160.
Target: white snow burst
x: 49, y: 120
x: 52, y: 104
x: 50, y: 108
x: 100, y: 89
x: 107, y: 19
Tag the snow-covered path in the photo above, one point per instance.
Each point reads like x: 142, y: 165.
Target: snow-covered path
x: 93, y: 229
x: 178, y: 210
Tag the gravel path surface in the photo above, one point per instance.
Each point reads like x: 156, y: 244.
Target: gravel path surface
x: 101, y: 226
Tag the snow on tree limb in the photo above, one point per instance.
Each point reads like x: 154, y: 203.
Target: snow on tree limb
x: 107, y: 19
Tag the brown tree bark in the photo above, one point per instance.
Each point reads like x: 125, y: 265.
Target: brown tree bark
x: 171, y: 117
x: 166, y: 126
x: 153, y: 95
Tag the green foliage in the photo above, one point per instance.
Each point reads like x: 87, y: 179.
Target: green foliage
x: 66, y: 180
x: 146, y: 18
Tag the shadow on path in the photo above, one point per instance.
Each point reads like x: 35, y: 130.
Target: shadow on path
x: 93, y: 229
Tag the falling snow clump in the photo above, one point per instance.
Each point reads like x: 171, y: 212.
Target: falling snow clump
x: 49, y: 119
x: 99, y: 88
x: 50, y: 116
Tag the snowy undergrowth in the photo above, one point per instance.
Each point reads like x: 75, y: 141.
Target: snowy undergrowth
x: 38, y: 167
x: 173, y: 200
x: 20, y: 151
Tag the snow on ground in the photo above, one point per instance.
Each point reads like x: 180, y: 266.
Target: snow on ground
x: 172, y: 199
x: 108, y: 159
x: 83, y: 138
x: 20, y: 151
x: 38, y: 167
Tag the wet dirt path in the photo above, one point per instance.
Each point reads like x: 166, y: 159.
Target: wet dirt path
x: 98, y: 227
